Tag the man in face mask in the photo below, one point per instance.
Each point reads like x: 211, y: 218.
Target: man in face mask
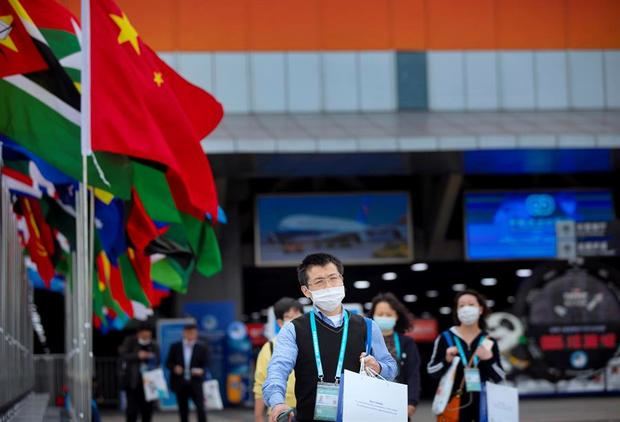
x: 320, y: 345
x: 138, y: 353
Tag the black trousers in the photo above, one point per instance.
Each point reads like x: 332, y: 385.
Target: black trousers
x: 470, y: 407
x: 188, y: 391
x: 137, y: 405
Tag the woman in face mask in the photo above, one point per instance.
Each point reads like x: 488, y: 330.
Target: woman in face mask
x: 478, y: 355
x: 394, y: 320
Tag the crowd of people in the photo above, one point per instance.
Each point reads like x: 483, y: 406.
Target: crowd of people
x: 298, y: 372
x: 187, y: 362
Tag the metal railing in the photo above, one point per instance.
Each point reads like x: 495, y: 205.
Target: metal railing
x: 16, y: 368
x: 51, y: 377
x: 107, y: 385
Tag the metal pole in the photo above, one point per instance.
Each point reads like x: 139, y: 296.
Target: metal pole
x: 83, y: 294
x: 4, y: 394
x: 83, y: 285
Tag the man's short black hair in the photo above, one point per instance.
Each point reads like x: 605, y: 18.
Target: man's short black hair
x: 190, y: 326
x: 286, y: 304
x: 319, y: 260
x: 144, y: 326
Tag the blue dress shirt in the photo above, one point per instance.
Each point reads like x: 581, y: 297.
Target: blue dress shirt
x: 285, y: 355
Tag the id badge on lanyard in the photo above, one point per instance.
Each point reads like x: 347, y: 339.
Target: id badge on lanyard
x: 472, y: 375
x: 327, y: 393
x: 472, y: 380
x: 326, y: 405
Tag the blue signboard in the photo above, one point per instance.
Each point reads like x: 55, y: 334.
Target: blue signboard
x: 522, y: 225
x: 537, y: 161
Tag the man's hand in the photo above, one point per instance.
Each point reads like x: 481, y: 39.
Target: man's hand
x: 277, y: 409
x: 144, y: 355
x: 178, y: 369
x: 451, y: 352
x: 197, y: 372
x: 371, y: 362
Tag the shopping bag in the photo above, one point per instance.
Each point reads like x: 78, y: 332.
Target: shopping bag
x: 452, y: 411
x: 502, y: 403
x: 211, y: 391
x: 155, y: 386
x: 484, y: 414
x: 444, y: 389
x: 369, y: 399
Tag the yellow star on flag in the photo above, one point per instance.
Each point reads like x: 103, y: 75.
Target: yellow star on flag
x: 158, y: 79
x: 128, y: 32
x: 5, y: 32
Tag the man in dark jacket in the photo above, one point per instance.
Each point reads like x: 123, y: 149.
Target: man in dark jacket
x: 187, y: 362
x: 138, y: 353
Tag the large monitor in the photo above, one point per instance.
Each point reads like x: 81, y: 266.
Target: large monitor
x: 523, y: 224
x: 358, y: 228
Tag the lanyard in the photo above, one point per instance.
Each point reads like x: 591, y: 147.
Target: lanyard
x: 317, y: 352
x: 462, y: 352
x: 397, y: 345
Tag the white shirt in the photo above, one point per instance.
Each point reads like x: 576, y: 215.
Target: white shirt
x: 188, y: 348
x: 336, y: 319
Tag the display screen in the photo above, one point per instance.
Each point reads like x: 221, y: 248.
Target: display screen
x: 363, y: 228
x: 522, y: 225
x: 537, y: 161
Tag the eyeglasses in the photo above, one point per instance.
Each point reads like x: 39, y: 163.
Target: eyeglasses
x: 332, y: 279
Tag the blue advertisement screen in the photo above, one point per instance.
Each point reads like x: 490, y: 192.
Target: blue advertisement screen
x: 362, y: 228
x: 521, y: 225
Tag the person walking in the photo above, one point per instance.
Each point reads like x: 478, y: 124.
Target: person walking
x: 394, y: 320
x: 187, y: 362
x: 478, y: 353
x: 138, y: 353
x: 285, y: 310
x: 320, y: 345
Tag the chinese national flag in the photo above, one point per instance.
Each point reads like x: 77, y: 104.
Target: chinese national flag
x: 142, y: 108
x: 18, y: 53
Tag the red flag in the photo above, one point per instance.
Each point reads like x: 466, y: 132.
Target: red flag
x: 111, y: 276
x: 141, y: 264
x: 18, y: 53
x: 141, y: 230
x: 50, y: 14
x: 40, y: 241
x: 143, y: 108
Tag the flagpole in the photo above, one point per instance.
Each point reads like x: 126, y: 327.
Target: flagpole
x: 83, y: 286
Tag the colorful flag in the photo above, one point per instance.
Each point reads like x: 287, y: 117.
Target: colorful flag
x: 40, y: 111
x: 39, y: 239
x: 142, y: 108
x: 18, y: 53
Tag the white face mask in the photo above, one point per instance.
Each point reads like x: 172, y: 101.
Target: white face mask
x: 328, y: 299
x: 468, y: 315
x: 142, y: 342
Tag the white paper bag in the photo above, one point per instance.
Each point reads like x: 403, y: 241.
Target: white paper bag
x: 502, y: 403
x: 211, y: 391
x: 368, y: 399
x: 442, y: 395
x: 155, y: 386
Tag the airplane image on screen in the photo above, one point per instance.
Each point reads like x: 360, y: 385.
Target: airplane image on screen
x: 299, y: 232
